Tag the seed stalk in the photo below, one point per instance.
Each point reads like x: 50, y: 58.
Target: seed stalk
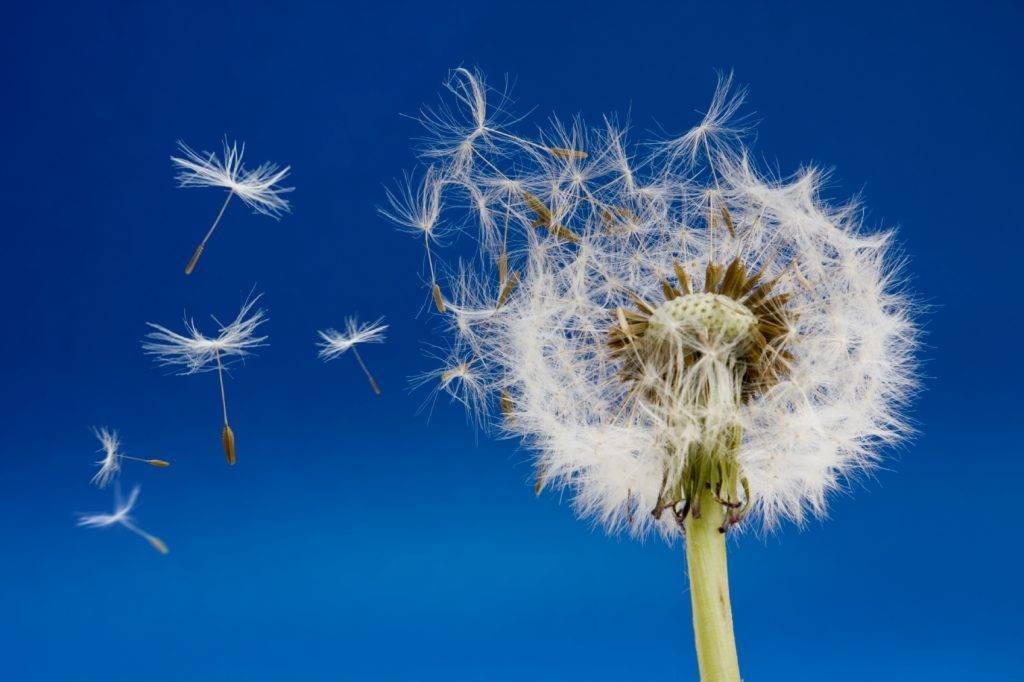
x: 709, y: 592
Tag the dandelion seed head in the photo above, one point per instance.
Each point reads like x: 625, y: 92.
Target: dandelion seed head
x: 672, y: 303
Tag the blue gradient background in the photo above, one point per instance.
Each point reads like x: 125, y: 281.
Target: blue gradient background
x: 357, y: 540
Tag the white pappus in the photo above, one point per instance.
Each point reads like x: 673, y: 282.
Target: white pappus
x: 120, y: 517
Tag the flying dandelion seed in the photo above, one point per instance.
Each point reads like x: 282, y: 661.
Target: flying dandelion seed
x: 419, y: 212
x: 197, y: 353
x: 335, y: 343
x: 257, y: 188
x: 120, y: 517
x: 686, y: 343
x: 110, y: 464
x: 460, y: 377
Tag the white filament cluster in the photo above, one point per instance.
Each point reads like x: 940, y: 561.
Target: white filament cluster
x: 195, y: 352
x: 576, y: 223
x: 257, y: 187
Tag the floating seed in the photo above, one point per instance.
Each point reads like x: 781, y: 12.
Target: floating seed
x: 227, y: 439
x: 564, y: 153
x: 506, y: 290
x: 158, y: 544
x: 438, y: 301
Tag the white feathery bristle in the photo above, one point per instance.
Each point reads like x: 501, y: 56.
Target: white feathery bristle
x: 719, y: 132
x: 122, y: 508
x: 257, y: 187
x: 121, y: 517
x: 335, y: 343
x: 110, y: 464
x: 195, y: 352
x: 416, y: 205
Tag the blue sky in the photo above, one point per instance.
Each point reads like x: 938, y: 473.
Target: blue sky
x: 357, y: 538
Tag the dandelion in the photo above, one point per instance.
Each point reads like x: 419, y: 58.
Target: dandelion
x: 195, y: 353
x: 689, y: 343
x: 335, y: 343
x: 257, y: 188
x: 110, y: 464
x: 120, y: 517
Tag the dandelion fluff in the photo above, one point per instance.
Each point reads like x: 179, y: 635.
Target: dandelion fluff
x: 195, y: 352
x: 335, y: 344
x: 258, y: 188
x: 110, y: 464
x: 121, y: 516
x: 678, y: 319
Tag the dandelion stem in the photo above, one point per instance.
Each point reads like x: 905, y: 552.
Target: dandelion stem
x: 709, y: 593
x: 373, y: 382
x: 202, y: 245
x: 220, y: 376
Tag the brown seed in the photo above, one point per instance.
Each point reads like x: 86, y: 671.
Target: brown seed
x: 542, y: 480
x: 728, y: 221
x: 538, y: 207
x: 502, y: 268
x: 545, y: 219
x: 564, y: 232
x: 162, y: 463
x: 564, y: 153
x: 158, y: 544
x: 438, y: 301
x: 506, y: 290
x: 227, y: 439
x: 194, y: 259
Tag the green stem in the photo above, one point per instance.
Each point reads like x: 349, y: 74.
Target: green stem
x: 709, y: 592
